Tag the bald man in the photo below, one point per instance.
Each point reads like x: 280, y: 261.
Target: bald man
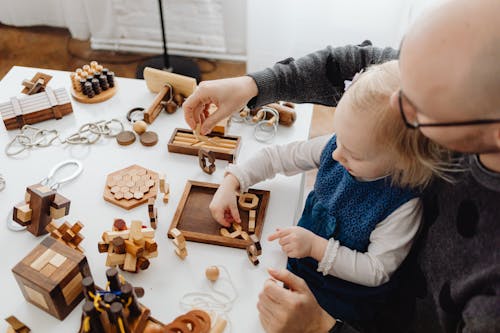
x: 450, y: 90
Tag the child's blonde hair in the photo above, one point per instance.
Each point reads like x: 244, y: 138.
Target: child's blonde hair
x: 419, y: 157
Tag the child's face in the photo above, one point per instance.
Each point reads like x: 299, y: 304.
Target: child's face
x: 357, y: 149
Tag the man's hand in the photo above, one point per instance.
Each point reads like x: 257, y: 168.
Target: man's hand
x: 229, y: 95
x: 293, y: 310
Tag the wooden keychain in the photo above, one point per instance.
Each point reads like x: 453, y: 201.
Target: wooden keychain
x: 42, y: 203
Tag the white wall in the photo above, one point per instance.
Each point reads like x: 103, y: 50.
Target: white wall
x: 282, y: 28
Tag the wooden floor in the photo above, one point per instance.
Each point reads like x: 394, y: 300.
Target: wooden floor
x: 53, y: 48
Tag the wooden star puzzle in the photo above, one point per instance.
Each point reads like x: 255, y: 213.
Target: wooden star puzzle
x: 131, y: 187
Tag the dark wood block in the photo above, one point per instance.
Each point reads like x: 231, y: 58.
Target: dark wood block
x: 194, y: 220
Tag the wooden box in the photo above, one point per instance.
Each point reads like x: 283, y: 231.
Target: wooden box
x: 50, y: 277
x: 194, y: 220
x: 228, y: 151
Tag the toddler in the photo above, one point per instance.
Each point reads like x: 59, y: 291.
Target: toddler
x: 364, y: 212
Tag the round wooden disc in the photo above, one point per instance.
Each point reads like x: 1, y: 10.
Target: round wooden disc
x: 125, y: 138
x: 149, y: 138
x: 105, y: 95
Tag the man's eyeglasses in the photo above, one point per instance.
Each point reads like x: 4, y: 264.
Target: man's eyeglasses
x: 411, y: 121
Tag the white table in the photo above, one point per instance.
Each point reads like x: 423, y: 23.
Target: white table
x: 168, y: 278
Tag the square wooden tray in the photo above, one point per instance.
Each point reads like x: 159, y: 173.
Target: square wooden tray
x: 221, y: 154
x: 194, y: 220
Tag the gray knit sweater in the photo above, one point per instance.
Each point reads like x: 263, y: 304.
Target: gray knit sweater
x: 457, y: 278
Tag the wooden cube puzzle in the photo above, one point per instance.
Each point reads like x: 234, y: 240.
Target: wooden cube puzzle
x: 40, y: 206
x: 50, y: 277
x: 129, y: 249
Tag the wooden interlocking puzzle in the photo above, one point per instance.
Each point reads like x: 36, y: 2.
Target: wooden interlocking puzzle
x: 41, y: 204
x: 32, y: 109
x: 194, y: 220
x: 129, y: 249
x: 67, y: 234
x: 36, y: 84
x: 131, y: 187
x: 50, y: 277
x: 16, y: 326
x: 184, y: 141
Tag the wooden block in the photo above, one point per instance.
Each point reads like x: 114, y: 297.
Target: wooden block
x: 150, y: 245
x: 150, y: 255
x: 114, y: 259
x: 251, y: 221
x: 248, y: 201
x: 133, y: 249
x: 48, y: 270
x: 162, y: 182
x: 166, y: 197
x: 102, y: 247
x: 77, y: 227
x: 135, y: 230
x: 23, y: 212
x: 156, y: 79
x: 57, y: 213
x: 130, y: 263
x: 27, y: 197
x: 43, y: 260
x: 179, y: 243
x: 57, y: 260
x: 16, y: 325
x: 175, y: 233
x: 181, y: 253
x: 119, y: 245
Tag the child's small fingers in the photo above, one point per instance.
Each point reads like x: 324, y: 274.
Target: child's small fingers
x: 235, y: 214
x: 274, y: 236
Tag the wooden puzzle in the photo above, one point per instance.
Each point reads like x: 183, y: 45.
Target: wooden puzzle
x: 115, y: 309
x: 129, y: 249
x: 50, y: 277
x: 92, y: 83
x: 33, y: 109
x: 40, y: 206
x: 206, y: 159
x: 184, y: 141
x: 179, y: 243
x: 171, y: 89
x: 254, y: 250
x: 287, y: 114
x: 36, y: 84
x: 152, y: 213
x: 194, y: 220
x: 16, y: 326
x: 67, y: 234
x: 131, y: 187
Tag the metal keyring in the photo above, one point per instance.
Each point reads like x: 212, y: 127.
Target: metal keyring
x: 131, y: 115
x: 55, y: 185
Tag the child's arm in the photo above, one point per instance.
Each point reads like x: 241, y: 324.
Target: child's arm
x: 390, y: 243
x: 288, y: 159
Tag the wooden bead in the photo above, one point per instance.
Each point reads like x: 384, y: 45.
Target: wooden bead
x: 212, y: 273
x: 140, y: 127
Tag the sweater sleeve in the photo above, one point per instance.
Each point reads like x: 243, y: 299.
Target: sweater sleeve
x: 288, y: 159
x: 318, y: 77
x: 390, y: 243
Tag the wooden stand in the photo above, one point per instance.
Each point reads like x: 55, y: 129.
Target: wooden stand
x: 194, y: 220
x: 103, y: 96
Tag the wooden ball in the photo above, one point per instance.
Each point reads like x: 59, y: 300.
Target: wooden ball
x: 86, y: 68
x: 140, y: 127
x: 212, y: 273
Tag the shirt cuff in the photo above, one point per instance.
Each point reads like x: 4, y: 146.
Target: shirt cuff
x: 326, y: 263
x: 240, y: 175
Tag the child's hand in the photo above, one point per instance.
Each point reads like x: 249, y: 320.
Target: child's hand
x: 224, y: 207
x: 296, y: 242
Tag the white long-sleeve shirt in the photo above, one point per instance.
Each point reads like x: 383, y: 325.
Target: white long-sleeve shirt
x: 390, y: 241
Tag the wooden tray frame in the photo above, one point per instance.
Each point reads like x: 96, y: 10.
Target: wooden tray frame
x: 188, y: 150
x: 218, y: 239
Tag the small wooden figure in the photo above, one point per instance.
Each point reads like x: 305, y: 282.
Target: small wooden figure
x: 36, y: 84
x: 92, y: 84
x: 40, y: 206
x: 50, y: 277
x: 16, y: 326
x: 164, y: 188
x: 33, y: 109
x: 131, y: 187
x: 254, y: 250
x: 248, y: 201
x: 130, y: 248
x: 67, y: 234
x: 153, y: 213
x: 237, y: 231
x: 179, y: 242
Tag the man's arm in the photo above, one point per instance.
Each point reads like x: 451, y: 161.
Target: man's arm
x: 318, y: 77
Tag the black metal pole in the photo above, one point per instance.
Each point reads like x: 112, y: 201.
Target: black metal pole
x: 166, y: 60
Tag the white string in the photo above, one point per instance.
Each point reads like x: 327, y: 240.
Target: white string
x: 2, y: 182
x: 215, y: 302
